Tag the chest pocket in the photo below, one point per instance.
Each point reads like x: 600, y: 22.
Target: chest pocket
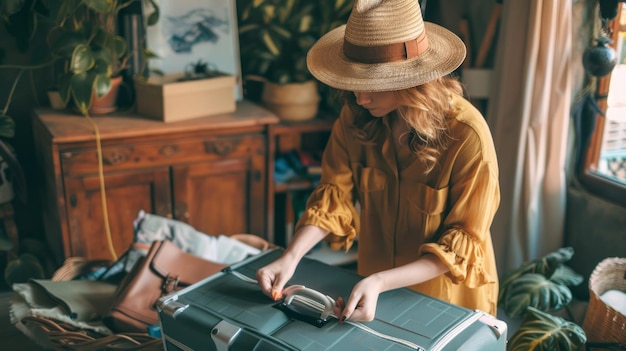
x: 426, y: 208
x: 426, y: 199
x: 369, y: 179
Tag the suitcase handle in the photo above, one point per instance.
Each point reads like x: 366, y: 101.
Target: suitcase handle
x: 318, y: 300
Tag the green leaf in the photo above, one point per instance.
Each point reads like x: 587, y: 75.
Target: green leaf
x: 110, y: 42
x: 65, y: 86
x: 63, y: 43
x: 82, y: 59
x: 81, y: 88
x: 103, y: 63
x: 7, y: 126
x: 284, y: 33
x: 153, y: 18
x: 566, y: 276
x: 546, y: 266
x: 542, y: 331
x: 249, y: 28
x: 270, y: 44
x: 305, y: 24
x: 101, y: 6
x: 275, y: 34
x: 10, y: 7
x: 149, y: 54
x: 101, y: 85
x: 534, y: 290
x: 268, y: 13
x: 157, y: 72
x: 284, y: 11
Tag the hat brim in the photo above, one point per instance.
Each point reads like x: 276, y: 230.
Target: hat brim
x: 329, y: 65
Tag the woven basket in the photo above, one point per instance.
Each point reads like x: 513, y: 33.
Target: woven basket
x: 603, y: 324
x: 63, y: 336
x: 57, y: 335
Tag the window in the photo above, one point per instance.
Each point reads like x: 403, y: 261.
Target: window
x: 605, y: 161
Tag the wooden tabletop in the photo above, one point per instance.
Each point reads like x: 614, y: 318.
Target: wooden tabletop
x: 65, y: 126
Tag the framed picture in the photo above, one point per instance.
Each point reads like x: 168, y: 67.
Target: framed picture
x: 196, y: 30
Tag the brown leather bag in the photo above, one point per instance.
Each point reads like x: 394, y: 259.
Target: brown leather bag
x: 165, y: 269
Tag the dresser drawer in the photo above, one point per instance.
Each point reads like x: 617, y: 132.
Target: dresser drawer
x: 167, y: 152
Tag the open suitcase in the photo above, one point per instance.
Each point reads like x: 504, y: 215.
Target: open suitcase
x: 228, y: 311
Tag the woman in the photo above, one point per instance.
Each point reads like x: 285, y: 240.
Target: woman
x: 416, y: 156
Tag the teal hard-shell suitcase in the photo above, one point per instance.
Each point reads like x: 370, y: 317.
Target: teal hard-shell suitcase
x: 228, y: 311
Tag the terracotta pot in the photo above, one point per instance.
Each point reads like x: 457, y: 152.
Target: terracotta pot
x: 292, y: 102
x: 107, y: 103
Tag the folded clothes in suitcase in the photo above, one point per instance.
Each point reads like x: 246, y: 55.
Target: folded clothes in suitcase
x: 228, y: 311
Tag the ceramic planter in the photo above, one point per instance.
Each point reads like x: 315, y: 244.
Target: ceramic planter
x: 292, y: 102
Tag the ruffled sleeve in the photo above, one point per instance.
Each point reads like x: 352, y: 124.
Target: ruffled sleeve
x: 332, y: 210
x: 464, y: 240
x: 463, y: 256
x: 331, y: 205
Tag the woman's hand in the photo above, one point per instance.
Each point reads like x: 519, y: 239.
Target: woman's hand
x: 273, y: 277
x: 361, y: 306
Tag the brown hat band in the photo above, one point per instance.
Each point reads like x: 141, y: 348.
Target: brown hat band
x: 386, y: 53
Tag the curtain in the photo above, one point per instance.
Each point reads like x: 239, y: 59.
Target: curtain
x: 528, y: 113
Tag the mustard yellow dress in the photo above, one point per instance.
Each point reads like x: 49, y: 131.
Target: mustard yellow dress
x: 405, y: 213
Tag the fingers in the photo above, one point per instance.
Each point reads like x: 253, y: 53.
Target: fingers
x: 265, y: 281
x: 271, y: 285
x: 276, y: 292
x: 338, y: 308
x: 356, y: 310
x: 349, y: 308
x: 341, y: 310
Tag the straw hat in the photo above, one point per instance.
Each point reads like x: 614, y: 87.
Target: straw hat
x: 385, y: 46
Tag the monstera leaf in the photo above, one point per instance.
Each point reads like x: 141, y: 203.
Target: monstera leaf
x: 535, y: 290
x: 543, y: 284
x: 545, y: 266
x: 541, y: 331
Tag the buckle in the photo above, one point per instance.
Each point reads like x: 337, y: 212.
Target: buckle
x: 170, y: 284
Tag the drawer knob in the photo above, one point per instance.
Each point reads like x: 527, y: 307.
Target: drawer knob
x: 169, y: 150
x: 220, y: 147
x: 115, y: 158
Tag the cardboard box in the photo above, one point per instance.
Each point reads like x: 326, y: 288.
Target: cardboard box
x: 169, y: 99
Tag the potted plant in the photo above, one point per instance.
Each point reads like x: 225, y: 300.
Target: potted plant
x: 534, y: 291
x: 275, y: 36
x: 82, y: 41
x: 84, y: 37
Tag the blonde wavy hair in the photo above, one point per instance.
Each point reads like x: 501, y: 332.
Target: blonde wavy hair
x: 424, y: 108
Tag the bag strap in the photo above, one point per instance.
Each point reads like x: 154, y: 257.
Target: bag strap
x: 178, y: 267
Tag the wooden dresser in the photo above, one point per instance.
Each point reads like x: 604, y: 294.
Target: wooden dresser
x: 212, y: 173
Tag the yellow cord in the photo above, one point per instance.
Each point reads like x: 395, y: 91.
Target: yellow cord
x: 103, y: 197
